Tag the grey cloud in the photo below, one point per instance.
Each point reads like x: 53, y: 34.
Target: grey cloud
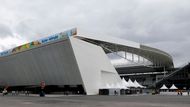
x: 158, y: 24
x: 5, y: 31
x: 179, y: 50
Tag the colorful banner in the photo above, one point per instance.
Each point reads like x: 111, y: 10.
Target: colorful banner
x: 62, y: 35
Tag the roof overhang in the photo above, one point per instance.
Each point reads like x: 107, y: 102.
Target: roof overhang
x: 156, y: 56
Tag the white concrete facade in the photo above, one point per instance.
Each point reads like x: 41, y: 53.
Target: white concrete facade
x: 68, y: 61
x: 95, y: 68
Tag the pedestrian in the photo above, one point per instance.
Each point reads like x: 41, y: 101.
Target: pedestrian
x: 178, y: 91
x: 26, y: 93
x: 188, y: 92
x: 5, y: 92
x: 115, y: 93
x: 181, y: 93
x: 13, y: 93
x: 42, y: 86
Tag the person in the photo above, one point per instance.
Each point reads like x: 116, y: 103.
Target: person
x: 26, y: 93
x: 188, y: 92
x: 13, y: 93
x: 178, y: 91
x: 5, y: 92
x: 42, y: 93
x: 181, y: 93
x: 42, y: 86
x: 115, y: 92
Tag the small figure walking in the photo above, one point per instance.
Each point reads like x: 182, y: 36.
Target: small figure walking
x: 26, y: 93
x: 181, y: 93
x: 42, y: 85
x: 115, y: 92
x: 5, y: 92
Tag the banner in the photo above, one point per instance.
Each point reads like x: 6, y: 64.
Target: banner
x: 62, y: 35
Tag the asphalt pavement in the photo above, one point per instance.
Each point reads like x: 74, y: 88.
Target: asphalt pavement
x: 95, y: 101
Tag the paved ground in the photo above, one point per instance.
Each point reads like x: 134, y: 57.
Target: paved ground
x: 95, y: 101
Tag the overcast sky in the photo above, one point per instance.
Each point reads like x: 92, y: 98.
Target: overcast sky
x: 163, y: 24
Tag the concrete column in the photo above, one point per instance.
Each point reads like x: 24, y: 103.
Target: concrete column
x: 132, y: 57
x: 125, y: 55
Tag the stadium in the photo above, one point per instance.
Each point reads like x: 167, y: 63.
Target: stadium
x: 84, y: 64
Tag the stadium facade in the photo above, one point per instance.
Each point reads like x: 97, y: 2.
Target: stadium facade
x: 61, y: 60
x: 71, y: 59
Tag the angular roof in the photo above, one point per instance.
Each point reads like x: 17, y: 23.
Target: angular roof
x: 138, y: 85
x: 173, y: 87
x: 163, y: 87
x: 156, y: 56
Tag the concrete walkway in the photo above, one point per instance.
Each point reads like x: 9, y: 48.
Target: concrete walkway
x: 94, y: 101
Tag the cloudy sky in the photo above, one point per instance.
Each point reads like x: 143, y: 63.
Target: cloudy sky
x: 163, y: 24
